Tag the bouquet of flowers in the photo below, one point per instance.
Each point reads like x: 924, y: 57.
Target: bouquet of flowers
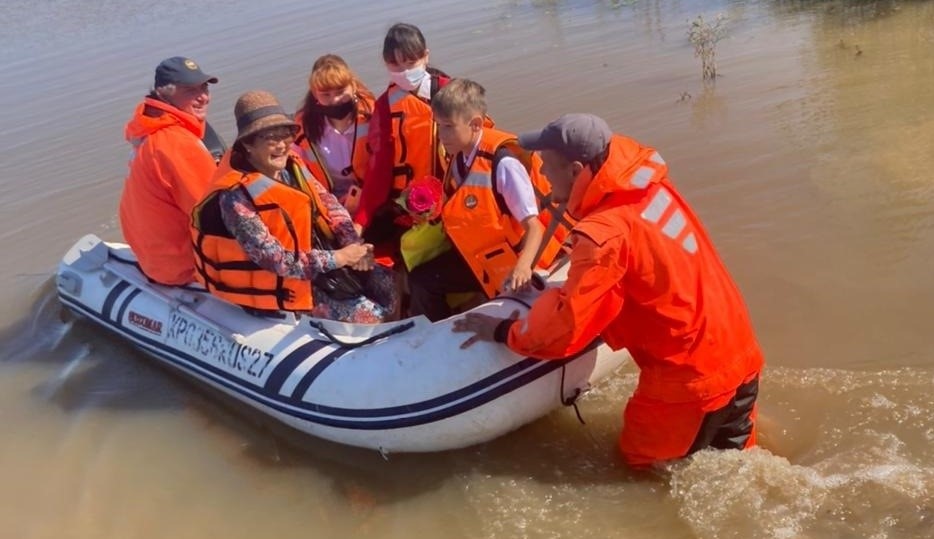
x: 422, y: 199
x: 425, y: 239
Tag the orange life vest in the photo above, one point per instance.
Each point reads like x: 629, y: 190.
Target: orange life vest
x: 476, y: 218
x: 221, y: 264
x: 314, y: 160
x: 417, y: 152
x: 648, y: 279
x: 557, y: 235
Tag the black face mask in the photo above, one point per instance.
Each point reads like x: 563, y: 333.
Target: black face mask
x: 338, y: 111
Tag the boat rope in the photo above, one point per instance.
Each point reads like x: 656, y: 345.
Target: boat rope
x: 572, y: 400
x: 345, y: 344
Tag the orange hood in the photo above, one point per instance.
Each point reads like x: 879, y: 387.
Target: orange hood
x: 615, y: 177
x: 153, y: 115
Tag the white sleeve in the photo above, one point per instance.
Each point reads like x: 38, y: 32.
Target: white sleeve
x: 515, y: 186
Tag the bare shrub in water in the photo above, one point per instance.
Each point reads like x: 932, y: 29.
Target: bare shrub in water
x: 704, y: 36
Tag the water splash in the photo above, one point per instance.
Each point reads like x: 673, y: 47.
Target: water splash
x: 865, y: 492
x: 867, y: 472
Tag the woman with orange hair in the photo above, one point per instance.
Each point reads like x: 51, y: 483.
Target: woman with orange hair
x: 334, y: 119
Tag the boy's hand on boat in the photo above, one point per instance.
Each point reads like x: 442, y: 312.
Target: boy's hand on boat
x: 520, y: 279
x: 483, y: 327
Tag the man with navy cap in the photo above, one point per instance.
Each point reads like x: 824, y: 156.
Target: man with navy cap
x: 170, y: 170
x: 643, y: 276
x: 181, y: 82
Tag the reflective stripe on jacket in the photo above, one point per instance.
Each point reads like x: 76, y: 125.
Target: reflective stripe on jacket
x: 169, y: 172
x: 645, y: 276
x: 226, y: 270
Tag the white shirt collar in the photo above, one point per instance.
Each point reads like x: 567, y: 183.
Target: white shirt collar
x: 468, y: 159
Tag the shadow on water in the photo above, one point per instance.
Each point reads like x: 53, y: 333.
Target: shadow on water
x: 38, y: 333
x: 553, y: 455
x: 529, y: 452
x: 90, y: 369
x: 99, y: 371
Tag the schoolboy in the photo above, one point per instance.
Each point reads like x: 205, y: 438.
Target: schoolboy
x: 490, y: 212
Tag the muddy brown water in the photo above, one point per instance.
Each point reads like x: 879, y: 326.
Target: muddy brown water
x: 809, y: 161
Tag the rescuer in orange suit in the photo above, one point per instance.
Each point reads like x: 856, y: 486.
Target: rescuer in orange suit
x: 643, y: 276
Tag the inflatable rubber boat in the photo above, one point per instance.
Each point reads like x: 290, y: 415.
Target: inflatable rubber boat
x: 402, y: 386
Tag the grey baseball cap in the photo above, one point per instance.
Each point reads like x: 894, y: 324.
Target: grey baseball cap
x: 578, y: 137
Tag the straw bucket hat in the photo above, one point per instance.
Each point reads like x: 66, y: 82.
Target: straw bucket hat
x: 258, y: 110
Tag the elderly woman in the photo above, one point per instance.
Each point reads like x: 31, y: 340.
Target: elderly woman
x: 334, y: 119
x: 270, y: 238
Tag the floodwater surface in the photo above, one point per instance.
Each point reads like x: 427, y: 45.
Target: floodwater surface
x: 809, y: 160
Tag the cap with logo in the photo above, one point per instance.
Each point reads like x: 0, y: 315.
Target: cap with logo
x: 181, y: 70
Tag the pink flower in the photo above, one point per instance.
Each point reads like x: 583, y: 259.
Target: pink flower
x: 421, y: 199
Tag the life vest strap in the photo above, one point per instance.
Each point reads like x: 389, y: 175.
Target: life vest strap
x: 404, y: 170
x: 281, y: 294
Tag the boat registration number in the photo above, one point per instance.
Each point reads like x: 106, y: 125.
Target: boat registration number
x: 212, y: 347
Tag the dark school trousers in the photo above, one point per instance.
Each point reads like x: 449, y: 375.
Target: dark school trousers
x: 431, y: 282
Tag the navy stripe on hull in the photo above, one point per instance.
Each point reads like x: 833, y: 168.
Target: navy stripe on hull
x: 313, y: 374
x: 285, y: 367
x: 112, y: 298
x: 433, y: 402
x: 126, y: 303
x: 355, y: 419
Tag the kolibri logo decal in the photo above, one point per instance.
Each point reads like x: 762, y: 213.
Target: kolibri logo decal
x: 145, y: 323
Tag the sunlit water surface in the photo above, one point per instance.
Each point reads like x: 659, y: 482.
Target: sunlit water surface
x: 809, y: 160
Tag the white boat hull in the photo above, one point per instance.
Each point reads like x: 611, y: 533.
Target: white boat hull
x: 412, y: 391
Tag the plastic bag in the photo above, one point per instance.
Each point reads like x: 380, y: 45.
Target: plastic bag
x: 423, y: 242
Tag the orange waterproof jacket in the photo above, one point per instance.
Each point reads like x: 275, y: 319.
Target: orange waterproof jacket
x: 311, y: 154
x: 645, y: 276
x: 224, y: 268
x: 476, y: 218
x: 169, y: 173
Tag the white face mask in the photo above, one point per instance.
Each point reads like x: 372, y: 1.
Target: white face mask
x: 410, y: 79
